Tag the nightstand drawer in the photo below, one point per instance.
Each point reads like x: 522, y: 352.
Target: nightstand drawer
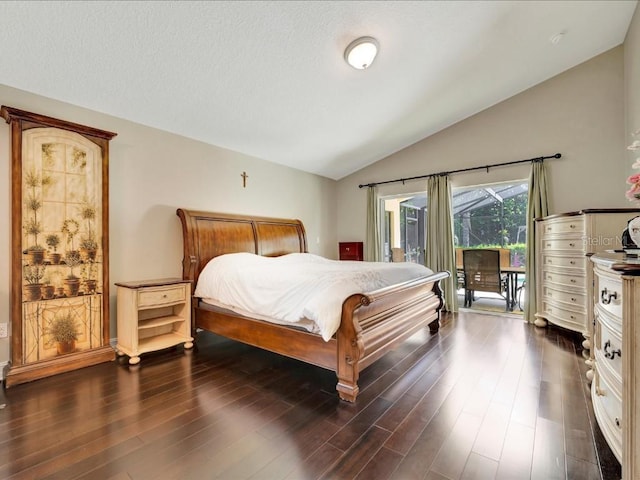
x: 161, y: 296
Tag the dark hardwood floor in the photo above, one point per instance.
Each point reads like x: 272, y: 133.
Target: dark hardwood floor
x: 487, y: 397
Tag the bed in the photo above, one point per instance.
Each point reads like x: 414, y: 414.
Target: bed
x: 371, y: 323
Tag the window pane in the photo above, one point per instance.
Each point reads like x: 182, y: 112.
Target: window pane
x: 492, y: 216
x: 404, y: 228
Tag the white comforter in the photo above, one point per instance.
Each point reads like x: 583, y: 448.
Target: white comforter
x: 297, y: 286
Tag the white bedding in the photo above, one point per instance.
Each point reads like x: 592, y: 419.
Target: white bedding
x: 297, y: 286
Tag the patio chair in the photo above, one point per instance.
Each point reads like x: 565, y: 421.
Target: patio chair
x: 482, y: 273
x: 397, y: 255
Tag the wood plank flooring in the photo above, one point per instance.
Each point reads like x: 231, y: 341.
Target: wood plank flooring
x: 488, y: 397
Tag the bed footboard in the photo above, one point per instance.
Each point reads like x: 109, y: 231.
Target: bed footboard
x: 374, y: 323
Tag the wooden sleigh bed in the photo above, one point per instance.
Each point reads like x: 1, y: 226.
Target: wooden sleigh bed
x: 372, y: 323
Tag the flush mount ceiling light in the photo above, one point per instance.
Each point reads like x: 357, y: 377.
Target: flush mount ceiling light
x: 361, y: 52
x: 557, y: 38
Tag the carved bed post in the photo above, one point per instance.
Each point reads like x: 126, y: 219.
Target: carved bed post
x: 435, y: 325
x: 350, y: 349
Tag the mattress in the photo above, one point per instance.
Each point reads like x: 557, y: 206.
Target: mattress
x: 297, y: 288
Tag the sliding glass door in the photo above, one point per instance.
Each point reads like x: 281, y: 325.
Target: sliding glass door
x: 404, y: 227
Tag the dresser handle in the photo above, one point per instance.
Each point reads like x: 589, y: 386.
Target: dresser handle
x: 573, y: 280
x: 611, y: 355
x: 572, y: 262
x: 164, y: 296
x: 618, y: 422
x: 609, y: 296
x: 572, y: 226
x: 573, y: 299
x: 571, y: 244
x: 548, y: 244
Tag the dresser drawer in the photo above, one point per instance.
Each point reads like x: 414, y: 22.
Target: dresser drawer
x: 576, y: 281
x: 608, y: 351
x: 576, y: 321
x: 608, y: 409
x: 609, y: 294
x: 574, y: 245
x: 564, y: 262
x: 563, y: 225
x: 573, y: 301
x: 154, y: 297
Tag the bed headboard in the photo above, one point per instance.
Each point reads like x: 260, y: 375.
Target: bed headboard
x: 207, y: 235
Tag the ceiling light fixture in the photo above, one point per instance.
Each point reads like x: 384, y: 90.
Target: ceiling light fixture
x: 557, y: 38
x: 361, y: 52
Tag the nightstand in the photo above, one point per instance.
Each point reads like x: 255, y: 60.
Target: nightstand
x: 153, y: 315
x: 350, y: 251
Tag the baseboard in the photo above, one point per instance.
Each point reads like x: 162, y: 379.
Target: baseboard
x: 2, y: 370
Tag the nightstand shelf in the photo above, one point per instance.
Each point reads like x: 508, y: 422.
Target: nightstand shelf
x: 153, y: 315
x: 159, y: 342
x: 160, y: 321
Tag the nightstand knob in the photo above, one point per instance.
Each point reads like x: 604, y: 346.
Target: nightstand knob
x: 164, y: 296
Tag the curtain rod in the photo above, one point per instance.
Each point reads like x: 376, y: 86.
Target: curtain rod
x: 487, y: 167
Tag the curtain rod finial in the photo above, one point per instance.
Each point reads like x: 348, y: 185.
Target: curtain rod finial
x: 557, y: 155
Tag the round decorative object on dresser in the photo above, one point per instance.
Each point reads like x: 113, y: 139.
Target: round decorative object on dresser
x: 634, y: 230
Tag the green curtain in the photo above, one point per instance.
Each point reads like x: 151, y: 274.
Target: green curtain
x: 372, y: 244
x: 440, y: 253
x: 537, y: 206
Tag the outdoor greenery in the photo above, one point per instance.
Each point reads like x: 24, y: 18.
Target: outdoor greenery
x: 496, y: 224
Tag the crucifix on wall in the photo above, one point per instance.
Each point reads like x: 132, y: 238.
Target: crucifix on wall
x: 244, y: 179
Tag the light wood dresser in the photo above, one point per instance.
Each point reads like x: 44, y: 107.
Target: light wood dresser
x: 564, y: 280
x: 615, y: 389
x: 153, y: 315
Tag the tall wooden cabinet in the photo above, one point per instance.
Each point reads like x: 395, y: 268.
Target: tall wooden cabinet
x: 564, y: 275
x: 615, y: 389
x: 59, y: 246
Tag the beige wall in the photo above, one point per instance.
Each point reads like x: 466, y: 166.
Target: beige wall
x: 632, y: 86
x: 579, y: 113
x: 151, y: 174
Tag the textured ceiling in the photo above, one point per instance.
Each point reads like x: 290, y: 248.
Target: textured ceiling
x: 268, y: 78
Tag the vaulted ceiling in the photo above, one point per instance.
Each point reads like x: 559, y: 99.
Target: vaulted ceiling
x: 269, y: 79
